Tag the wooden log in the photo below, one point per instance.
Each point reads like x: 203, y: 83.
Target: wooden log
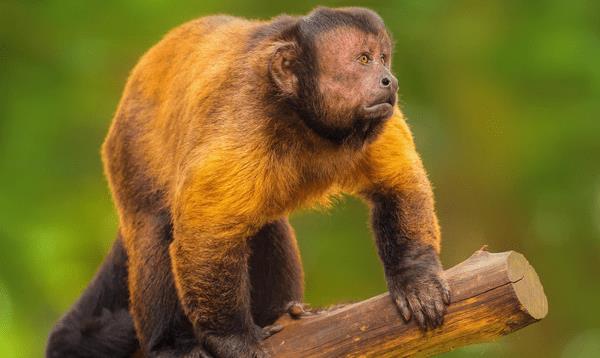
x: 493, y: 294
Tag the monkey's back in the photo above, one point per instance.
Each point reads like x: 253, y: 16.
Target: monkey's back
x: 179, y: 85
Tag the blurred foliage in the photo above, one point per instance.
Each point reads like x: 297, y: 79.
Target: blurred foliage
x: 503, y: 97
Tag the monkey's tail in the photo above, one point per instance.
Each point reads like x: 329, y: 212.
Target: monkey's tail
x: 109, y: 335
x: 99, y: 323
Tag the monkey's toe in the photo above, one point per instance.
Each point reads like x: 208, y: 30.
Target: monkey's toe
x: 298, y: 310
x: 270, y: 330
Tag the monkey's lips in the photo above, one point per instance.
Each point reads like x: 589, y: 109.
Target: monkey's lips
x: 380, y: 110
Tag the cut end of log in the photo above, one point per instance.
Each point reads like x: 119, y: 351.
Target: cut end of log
x: 527, y: 286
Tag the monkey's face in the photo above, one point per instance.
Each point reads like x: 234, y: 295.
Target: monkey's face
x: 336, y: 74
x: 354, y: 81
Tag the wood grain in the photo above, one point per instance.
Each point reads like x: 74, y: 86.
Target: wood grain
x: 493, y: 294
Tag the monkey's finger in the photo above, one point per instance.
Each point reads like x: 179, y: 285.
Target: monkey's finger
x: 446, y: 294
x: 428, y: 296
x: 441, y: 309
x: 403, y: 307
x: 443, y: 287
x: 430, y: 312
x: 420, y: 318
x: 440, y: 312
x: 417, y: 309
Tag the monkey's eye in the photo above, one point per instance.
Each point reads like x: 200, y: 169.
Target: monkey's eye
x: 363, y: 59
x: 383, y: 58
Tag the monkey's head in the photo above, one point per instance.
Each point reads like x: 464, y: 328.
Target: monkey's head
x: 333, y: 67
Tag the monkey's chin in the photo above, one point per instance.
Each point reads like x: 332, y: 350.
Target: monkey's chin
x: 378, y: 111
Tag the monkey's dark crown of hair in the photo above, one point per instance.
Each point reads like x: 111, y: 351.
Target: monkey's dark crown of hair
x: 304, y: 28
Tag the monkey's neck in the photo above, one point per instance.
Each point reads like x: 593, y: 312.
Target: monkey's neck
x: 289, y: 131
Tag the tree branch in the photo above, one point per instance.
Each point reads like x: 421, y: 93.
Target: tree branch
x: 493, y: 294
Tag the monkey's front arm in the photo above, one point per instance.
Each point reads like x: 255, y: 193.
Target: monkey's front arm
x: 405, y: 226
x: 212, y: 226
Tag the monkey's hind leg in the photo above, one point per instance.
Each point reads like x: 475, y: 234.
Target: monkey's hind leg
x: 214, y: 288
x: 98, y: 324
x: 162, y: 328
x: 276, y: 276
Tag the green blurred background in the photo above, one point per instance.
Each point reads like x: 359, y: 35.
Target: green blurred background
x: 503, y: 98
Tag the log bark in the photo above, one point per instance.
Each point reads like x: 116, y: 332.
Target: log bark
x: 493, y: 294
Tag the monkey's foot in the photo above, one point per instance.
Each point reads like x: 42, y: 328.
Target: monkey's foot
x: 239, y: 345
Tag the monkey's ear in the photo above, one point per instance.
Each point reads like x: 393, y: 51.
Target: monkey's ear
x: 281, y: 68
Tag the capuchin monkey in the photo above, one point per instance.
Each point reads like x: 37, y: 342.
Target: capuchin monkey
x: 225, y: 127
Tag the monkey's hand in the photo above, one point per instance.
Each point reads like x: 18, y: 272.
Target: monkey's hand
x: 420, y: 291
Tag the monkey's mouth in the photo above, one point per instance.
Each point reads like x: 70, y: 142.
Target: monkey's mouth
x: 381, y: 108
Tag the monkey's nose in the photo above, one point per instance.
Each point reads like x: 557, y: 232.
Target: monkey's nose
x: 388, y: 81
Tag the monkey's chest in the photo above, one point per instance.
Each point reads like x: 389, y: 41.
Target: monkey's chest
x: 308, y: 186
